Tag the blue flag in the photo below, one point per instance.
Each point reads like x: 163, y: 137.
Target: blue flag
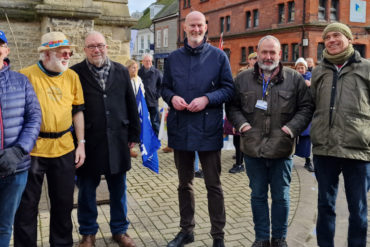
x: 149, y: 141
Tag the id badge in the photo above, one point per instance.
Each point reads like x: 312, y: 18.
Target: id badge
x: 261, y: 104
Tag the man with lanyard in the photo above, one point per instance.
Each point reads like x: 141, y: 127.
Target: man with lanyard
x: 61, y: 99
x: 340, y: 134
x: 271, y: 107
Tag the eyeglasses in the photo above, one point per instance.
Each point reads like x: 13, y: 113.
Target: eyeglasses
x: 93, y: 47
x: 65, y: 53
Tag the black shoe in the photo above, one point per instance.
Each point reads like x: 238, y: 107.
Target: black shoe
x: 237, y: 168
x: 263, y: 243
x: 309, y: 167
x: 199, y: 174
x: 181, y: 239
x: 218, y: 242
x: 278, y: 242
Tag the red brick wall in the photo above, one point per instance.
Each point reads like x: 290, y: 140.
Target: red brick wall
x: 287, y: 33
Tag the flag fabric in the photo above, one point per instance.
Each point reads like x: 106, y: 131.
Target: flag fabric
x: 221, y: 42
x: 149, y: 141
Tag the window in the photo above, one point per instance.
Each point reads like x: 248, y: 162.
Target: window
x: 322, y: 9
x: 281, y: 18
x: 186, y: 4
x: 142, y: 43
x: 361, y: 49
x: 285, y: 52
x: 334, y: 10
x: 320, y: 49
x: 295, y: 52
x: 222, y: 24
x: 228, y: 20
x: 148, y: 41
x: 159, y: 38
x: 228, y: 52
x: 207, y: 28
x: 255, y: 18
x: 244, y: 55
x: 248, y: 19
x: 165, y: 37
x: 291, y: 11
x: 250, y: 50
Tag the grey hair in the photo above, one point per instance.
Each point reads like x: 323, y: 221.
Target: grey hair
x: 147, y: 55
x: 268, y: 37
x: 93, y: 32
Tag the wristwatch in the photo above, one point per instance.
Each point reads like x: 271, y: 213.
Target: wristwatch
x: 82, y: 141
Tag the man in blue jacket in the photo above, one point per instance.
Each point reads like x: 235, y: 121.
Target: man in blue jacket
x: 20, y: 121
x: 197, y: 81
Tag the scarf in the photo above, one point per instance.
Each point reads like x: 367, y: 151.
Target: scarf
x: 100, y: 74
x: 340, y: 58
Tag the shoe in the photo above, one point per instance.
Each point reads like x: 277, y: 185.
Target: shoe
x: 218, y: 242
x: 237, y: 168
x: 181, y: 239
x: 124, y: 240
x: 167, y: 150
x: 133, y: 154
x: 263, y: 243
x: 199, y: 174
x: 309, y: 167
x: 278, y: 242
x: 87, y: 241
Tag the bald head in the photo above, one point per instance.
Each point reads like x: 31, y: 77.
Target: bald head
x: 195, y: 28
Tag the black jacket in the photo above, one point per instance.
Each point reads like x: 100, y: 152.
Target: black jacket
x: 111, y: 121
x: 152, y: 81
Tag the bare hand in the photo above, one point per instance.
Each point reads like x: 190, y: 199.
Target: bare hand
x: 131, y: 145
x: 308, y: 83
x: 80, y: 155
x: 246, y: 128
x: 286, y: 131
x: 179, y: 103
x: 198, y: 104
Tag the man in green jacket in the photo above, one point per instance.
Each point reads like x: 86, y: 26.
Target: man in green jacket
x: 271, y: 107
x: 340, y: 134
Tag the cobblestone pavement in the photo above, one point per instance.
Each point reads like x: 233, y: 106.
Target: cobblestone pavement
x: 154, y: 214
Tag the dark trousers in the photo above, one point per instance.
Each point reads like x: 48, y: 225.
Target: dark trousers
x: 60, y: 173
x: 356, y: 175
x: 154, y: 118
x: 238, y: 154
x: 211, y: 165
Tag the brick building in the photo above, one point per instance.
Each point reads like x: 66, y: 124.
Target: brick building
x: 298, y: 24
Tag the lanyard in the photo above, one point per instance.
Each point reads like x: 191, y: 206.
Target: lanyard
x: 264, y: 86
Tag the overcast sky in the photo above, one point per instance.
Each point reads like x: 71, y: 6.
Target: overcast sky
x: 138, y: 5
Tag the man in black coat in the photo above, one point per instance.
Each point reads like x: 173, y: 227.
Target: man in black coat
x: 152, y: 80
x: 112, y: 127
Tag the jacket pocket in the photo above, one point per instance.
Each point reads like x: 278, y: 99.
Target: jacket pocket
x: 286, y: 102
x: 357, y: 132
x: 319, y: 129
x: 248, y: 101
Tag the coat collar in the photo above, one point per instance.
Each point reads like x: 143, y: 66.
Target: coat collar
x: 91, y: 79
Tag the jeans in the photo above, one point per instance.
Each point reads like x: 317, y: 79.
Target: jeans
x: 211, y: 166
x: 276, y: 173
x: 11, y: 189
x: 356, y: 176
x: 60, y: 173
x: 87, y: 212
x: 154, y: 118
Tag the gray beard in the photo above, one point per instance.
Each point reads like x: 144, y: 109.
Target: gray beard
x: 268, y: 68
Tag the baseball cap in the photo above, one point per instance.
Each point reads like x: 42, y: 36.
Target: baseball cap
x: 3, y: 37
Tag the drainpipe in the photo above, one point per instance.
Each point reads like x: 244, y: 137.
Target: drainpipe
x: 303, y: 27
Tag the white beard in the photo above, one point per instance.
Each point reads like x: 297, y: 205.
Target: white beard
x: 268, y: 67
x: 55, y: 64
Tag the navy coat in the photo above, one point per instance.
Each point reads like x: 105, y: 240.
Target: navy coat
x: 152, y: 81
x: 20, y: 117
x: 191, y: 73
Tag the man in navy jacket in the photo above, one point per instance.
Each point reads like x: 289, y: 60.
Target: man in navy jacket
x: 152, y: 80
x: 197, y: 81
x: 20, y: 121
